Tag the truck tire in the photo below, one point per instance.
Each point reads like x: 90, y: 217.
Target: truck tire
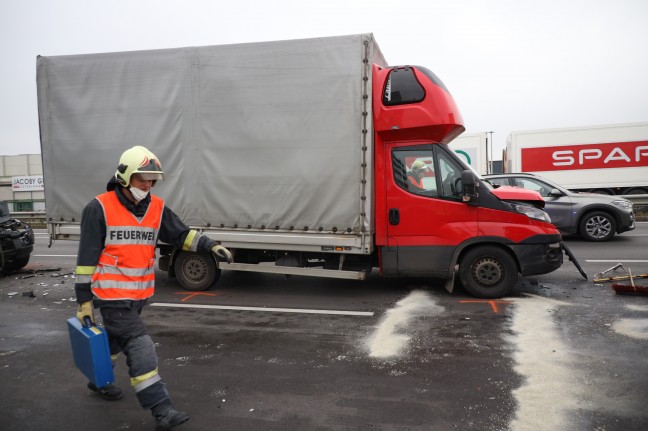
x: 597, y: 226
x: 196, y: 271
x: 488, y: 272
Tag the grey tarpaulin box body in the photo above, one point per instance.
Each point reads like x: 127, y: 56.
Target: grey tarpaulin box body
x: 91, y: 352
x: 263, y: 144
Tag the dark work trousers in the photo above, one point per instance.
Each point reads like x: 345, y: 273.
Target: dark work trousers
x: 127, y: 334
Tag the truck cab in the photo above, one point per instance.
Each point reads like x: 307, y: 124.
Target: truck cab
x: 451, y: 221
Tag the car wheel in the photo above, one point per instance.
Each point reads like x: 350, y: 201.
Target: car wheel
x: 597, y: 226
x: 488, y: 272
x: 15, y: 265
x: 196, y: 271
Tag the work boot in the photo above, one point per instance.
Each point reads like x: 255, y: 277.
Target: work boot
x: 167, y: 417
x: 109, y: 392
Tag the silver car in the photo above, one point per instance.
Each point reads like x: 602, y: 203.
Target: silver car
x: 592, y: 216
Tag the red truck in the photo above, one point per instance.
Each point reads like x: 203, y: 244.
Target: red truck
x: 304, y: 157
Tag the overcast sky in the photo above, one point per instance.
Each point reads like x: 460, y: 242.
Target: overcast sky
x: 510, y: 64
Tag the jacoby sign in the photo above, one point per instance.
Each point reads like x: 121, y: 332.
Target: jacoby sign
x: 32, y: 183
x: 588, y: 156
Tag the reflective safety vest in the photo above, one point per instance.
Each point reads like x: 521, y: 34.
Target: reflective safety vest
x: 415, y: 181
x: 125, y: 268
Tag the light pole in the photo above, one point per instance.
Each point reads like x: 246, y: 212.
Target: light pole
x: 490, y: 160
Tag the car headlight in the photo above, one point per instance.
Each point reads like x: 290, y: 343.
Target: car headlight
x: 529, y: 211
x: 623, y: 204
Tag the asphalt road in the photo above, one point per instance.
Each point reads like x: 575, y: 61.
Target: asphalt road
x: 265, y: 352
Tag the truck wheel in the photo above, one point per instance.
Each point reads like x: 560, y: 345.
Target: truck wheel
x: 196, y: 271
x: 488, y: 272
x: 597, y: 226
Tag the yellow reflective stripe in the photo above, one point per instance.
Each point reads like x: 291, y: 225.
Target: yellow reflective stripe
x: 189, y: 240
x: 113, y: 358
x: 139, y: 379
x: 85, y: 270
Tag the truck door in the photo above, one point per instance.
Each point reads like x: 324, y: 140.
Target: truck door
x: 426, y: 216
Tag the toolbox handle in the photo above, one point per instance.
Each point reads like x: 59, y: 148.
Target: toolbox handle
x: 87, y: 322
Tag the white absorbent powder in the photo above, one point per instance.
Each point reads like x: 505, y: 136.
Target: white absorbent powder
x: 393, y: 333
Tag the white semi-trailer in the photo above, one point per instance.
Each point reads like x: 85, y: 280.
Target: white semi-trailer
x: 609, y: 159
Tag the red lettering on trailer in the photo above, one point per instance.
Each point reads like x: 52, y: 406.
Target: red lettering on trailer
x: 585, y: 156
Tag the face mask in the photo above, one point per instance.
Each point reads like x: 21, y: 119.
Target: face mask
x: 138, y: 194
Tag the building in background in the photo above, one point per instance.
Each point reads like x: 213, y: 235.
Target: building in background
x: 21, y: 182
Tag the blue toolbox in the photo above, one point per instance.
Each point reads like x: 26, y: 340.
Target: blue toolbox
x: 91, y: 352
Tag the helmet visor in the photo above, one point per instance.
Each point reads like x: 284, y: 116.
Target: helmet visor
x: 150, y: 176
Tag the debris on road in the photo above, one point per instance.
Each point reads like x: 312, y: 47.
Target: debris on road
x: 633, y: 289
x: 35, y: 272
x: 598, y: 277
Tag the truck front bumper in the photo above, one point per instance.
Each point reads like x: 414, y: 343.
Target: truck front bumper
x: 540, y: 254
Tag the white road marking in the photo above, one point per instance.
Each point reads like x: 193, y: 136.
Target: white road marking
x: 617, y: 261
x: 281, y: 310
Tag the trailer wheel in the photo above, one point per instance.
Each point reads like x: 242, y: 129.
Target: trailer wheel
x: 597, y: 226
x: 488, y: 272
x: 637, y: 191
x: 196, y: 271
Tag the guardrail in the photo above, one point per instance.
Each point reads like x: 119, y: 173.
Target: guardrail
x: 33, y: 218
x: 38, y: 218
x: 637, y: 199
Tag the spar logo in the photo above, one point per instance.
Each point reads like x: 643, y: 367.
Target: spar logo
x: 586, y: 156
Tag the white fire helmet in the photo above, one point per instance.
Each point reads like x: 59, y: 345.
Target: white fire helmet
x: 138, y: 160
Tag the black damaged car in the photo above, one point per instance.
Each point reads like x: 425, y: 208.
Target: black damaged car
x: 16, y: 241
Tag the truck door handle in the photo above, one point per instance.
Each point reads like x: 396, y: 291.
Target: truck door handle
x: 394, y: 216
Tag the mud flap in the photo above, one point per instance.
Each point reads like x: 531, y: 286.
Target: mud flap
x: 573, y: 259
x: 449, y: 284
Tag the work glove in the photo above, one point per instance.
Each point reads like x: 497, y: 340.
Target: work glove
x: 222, y: 253
x: 85, y: 310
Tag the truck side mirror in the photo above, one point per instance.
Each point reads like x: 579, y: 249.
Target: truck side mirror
x: 469, y: 185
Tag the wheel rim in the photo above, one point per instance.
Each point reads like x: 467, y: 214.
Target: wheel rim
x: 598, y: 227
x: 194, y: 269
x: 488, y: 272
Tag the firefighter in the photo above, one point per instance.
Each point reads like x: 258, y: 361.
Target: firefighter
x: 119, y: 230
x: 417, y: 172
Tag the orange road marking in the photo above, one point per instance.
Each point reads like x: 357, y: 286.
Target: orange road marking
x: 192, y: 294
x: 493, y: 302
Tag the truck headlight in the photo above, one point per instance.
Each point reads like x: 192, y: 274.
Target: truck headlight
x: 529, y: 211
x: 623, y: 204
